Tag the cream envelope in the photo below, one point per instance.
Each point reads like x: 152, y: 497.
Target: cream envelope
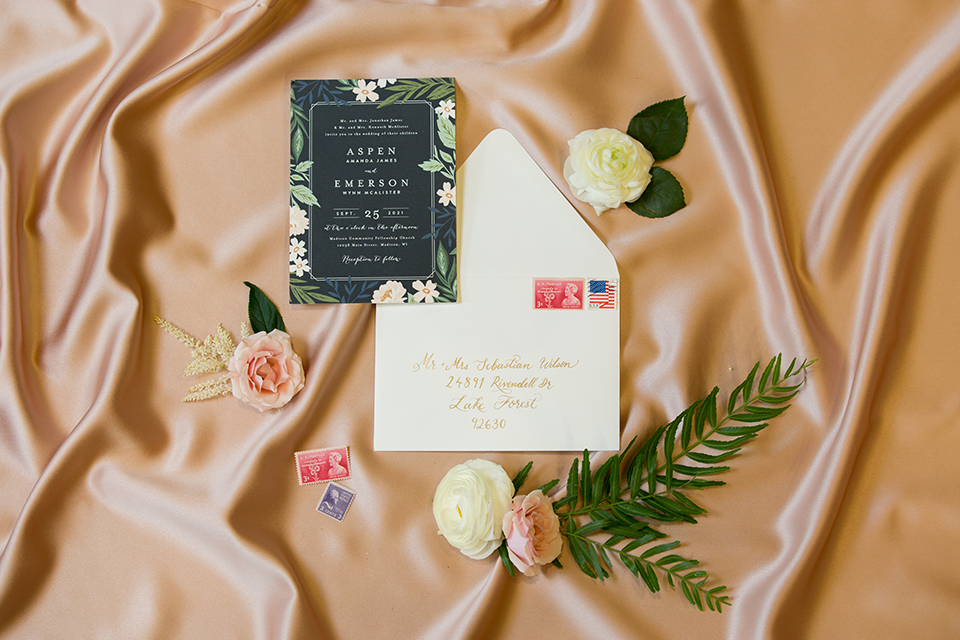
x: 509, y: 368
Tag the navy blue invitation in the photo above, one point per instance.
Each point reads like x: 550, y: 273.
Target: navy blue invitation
x: 373, y: 191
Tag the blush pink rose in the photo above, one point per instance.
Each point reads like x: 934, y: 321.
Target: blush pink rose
x: 532, y: 531
x: 265, y: 371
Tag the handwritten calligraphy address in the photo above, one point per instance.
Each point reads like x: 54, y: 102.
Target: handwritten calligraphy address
x: 487, y: 390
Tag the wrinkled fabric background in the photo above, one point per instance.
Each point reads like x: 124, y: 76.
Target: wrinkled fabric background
x: 144, y: 170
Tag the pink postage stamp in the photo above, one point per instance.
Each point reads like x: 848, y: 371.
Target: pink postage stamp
x: 558, y: 293
x: 322, y: 465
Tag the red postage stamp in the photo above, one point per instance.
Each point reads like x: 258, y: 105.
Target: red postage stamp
x: 322, y: 465
x: 558, y: 293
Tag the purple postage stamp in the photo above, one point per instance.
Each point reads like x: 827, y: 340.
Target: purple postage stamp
x: 558, y: 293
x: 335, y: 502
x: 322, y: 465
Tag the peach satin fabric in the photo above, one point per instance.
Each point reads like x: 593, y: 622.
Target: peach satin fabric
x: 143, y: 170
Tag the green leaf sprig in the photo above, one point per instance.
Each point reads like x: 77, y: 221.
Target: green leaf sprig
x: 662, y: 129
x: 608, y: 512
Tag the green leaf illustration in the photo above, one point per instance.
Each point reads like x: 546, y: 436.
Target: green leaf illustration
x: 297, y: 144
x: 418, y: 88
x: 447, y: 132
x: 443, y: 261
x: 662, y: 197
x: 303, y: 293
x: 661, y: 128
x: 432, y: 166
x: 264, y: 315
x: 304, y: 195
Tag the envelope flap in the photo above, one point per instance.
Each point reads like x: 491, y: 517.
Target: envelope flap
x: 527, y: 221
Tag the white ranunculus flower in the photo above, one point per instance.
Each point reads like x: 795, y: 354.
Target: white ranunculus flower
x: 469, y: 506
x: 607, y: 168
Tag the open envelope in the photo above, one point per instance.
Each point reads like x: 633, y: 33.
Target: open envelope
x: 529, y: 360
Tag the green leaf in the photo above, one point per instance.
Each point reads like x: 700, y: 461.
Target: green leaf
x: 443, y: 259
x: 521, y: 476
x: 505, y: 559
x: 446, y: 157
x: 303, y: 166
x: 614, y: 477
x: 662, y: 197
x: 590, y: 527
x: 264, y: 315
x: 297, y: 147
x: 585, y: 479
x: 599, y: 480
x: 739, y: 431
x: 573, y: 483
x: 706, y: 458
x: 432, y: 165
x: 304, y: 195
x: 732, y: 402
x: 661, y: 548
x: 766, y: 375
x: 748, y: 383
x: 447, y: 132
x: 724, y: 445
x: 550, y: 485
x: 668, y: 442
x: 638, y: 510
x: 651, y: 463
x: 698, y: 471
x: 661, y: 128
x: 758, y: 414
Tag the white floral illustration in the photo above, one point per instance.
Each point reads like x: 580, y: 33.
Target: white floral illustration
x: 298, y: 266
x: 425, y: 292
x: 298, y: 248
x: 391, y: 292
x: 298, y: 220
x: 382, y: 82
x: 446, y: 109
x: 365, y: 91
x: 447, y: 194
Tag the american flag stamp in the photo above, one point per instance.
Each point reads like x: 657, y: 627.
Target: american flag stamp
x: 335, y: 502
x: 558, y: 293
x: 322, y: 465
x: 603, y: 294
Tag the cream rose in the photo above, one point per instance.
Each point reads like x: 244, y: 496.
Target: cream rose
x: 607, y: 168
x: 264, y: 370
x: 532, y: 531
x: 470, y: 504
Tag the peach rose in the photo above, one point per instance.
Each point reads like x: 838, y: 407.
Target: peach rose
x: 532, y: 531
x: 265, y: 371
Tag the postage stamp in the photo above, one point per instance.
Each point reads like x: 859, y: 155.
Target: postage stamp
x: 558, y: 293
x: 603, y: 294
x: 335, y: 502
x: 322, y: 465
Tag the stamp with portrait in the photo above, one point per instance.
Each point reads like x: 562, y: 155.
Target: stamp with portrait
x: 558, y: 293
x: 322, y: 465
x: 335, y: 501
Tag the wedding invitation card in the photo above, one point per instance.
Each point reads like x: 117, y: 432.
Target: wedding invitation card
x: 373, y: 191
